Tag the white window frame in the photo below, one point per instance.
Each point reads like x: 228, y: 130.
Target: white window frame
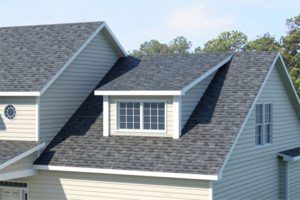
x: 21, y: 190
x: 141, y: 130
x: 263, y: 124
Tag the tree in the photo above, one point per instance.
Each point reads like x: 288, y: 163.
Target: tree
x: 291, y: 53
x: 226, y: 41
x: 263, y: 43
x: 179, y: 45
x: 150, y: 48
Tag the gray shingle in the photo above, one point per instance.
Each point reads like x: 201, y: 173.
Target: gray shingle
x: 208, y: 135
x: 31, y: 55
x: 11, y: 149
x: 165, y: 72
x: 291, y: 152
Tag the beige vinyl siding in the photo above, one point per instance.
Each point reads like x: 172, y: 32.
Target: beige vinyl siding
x: 113, y: 115
x: 294, y: 180
x: 192, y: 98
x: 23, y: 164
x: 252, y: 172
x: 49, y: 185
x: 66, y: 94
x: 23, y: 126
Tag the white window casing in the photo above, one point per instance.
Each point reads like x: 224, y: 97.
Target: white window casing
x: 106, y: 117
x: 176, y: 117
x: 263, y: 123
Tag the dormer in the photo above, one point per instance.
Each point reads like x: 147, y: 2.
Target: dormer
x: 156, y: 95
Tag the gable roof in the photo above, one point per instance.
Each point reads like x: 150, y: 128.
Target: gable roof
x: 207, y: 136
x: 165, y: 72
x: 31, y: 56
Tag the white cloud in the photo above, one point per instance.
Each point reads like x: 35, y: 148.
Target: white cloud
x: 198, y: 18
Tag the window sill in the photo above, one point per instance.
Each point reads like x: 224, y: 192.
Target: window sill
x: 140, y: 133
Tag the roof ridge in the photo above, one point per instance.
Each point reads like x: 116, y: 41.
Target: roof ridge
x: 50, y: 24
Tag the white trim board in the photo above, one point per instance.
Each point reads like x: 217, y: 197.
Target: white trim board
x: 247, y: 117
x: 127, y: 172
x: 138, y: 93
x: 17, y: 174
x: 67, y: 64
x: 289, y: 158
x: 22, y: 94
x: 23, y: 155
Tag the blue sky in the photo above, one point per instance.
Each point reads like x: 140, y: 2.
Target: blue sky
x: 135, y: 21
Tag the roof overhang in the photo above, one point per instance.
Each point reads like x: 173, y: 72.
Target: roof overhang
x: 128, y: 172
x: 163, y: 92
x: 289, y: 158
x: 22, y: 155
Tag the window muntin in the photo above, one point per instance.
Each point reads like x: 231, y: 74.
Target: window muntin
x: 154, y: 116
x: 129, y: 115
x: 263, y: 124
x: 142, y: 116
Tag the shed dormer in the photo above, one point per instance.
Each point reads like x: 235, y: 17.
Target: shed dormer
x: 152, y: 98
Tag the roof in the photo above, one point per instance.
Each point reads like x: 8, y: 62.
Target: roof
x: 164, y: 72
x: 11, y: 149
x: 207, y: 136
x: 31, y: 55
x: 291, y: 154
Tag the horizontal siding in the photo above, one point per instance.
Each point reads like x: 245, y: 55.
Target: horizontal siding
x: 294, y: 180
x: 49, y: 185
x: 253, y: 172
x: 67, y: 93
x: 169, y: 115
x: 23, y: 126
x: 192, y: 97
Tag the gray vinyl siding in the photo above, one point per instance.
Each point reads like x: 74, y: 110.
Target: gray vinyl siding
x: 294, y: 180
x: 66, y: 94
x: 282, y: 178
x: 252, y: 172
x: 48, y: 185
x: 192, y: 97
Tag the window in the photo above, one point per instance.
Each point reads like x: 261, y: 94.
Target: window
x: 141, y: 116
x: 263, y: 124
x: 10, y: 112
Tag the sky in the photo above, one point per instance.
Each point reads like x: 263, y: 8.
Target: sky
x: 136, y: 21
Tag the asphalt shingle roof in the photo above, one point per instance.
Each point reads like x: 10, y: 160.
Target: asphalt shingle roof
x: 10, y: 149
x: 31, y: 55
x: 207, y: 136
x: 291, y: 152
x: 165, y: 72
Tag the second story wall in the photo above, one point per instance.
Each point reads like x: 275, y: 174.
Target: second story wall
x: 66, y: 94
x: 23, y: 126
x: 252, y: 171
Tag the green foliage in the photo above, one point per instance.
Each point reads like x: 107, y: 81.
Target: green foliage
x: 179, y: 44
x: 289, y: 46
x: 263, y: 43
x: 226, y: 41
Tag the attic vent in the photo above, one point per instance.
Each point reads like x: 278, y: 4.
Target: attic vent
x: 10, y: 112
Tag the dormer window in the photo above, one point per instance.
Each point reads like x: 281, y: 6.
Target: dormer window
x: 140, y: 116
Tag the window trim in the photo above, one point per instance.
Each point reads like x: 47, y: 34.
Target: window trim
x: 141, y: 101
x: 263, y: 124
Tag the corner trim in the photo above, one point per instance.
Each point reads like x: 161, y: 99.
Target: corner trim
x: 18, y: 174
x: 22, y: 155
x: 37, y: 119
x: 127, y: 172
x: 247, y: 116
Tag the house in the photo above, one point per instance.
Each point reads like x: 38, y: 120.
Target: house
x: 80, y: 119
